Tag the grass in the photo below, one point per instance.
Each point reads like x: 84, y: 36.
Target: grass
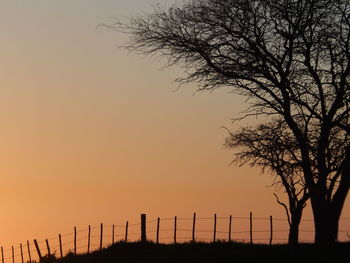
x: 210, y: 252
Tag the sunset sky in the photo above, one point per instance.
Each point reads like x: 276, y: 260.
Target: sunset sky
x: 90, y: 133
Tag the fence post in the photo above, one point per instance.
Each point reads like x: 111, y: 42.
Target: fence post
x: 126, y: 231
x: 229, y: 228
x: 22, y: 259
x: 60, y: 240
x: 37, y: 249
x: 251, y: 227
x: 48, y: 248
x: 175, y: 228
x: 2, y: 255
x: 214, y: 238
x: 158, y: 222
x: 194, y: 228
x: 143, y: 228
x: 75, y: 240
x: 13, y: 254
x: 89, y: 236
x: 29, y: 254
x: 113, y: 234
x: 271, y: 230
x: 101, y: 236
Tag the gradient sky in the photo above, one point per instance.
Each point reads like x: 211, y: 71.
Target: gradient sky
x: 90, y: 133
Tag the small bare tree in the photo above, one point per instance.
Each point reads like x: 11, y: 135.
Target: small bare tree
x: 271, y: 146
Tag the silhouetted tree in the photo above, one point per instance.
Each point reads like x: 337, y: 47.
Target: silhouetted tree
x: 290, y: 58
x: 272, y: 146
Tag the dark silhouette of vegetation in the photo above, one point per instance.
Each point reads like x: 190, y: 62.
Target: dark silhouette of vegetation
x: 47, y: 259
x: 209, y: 252
x: 271, y: 146
x: 289, y: 58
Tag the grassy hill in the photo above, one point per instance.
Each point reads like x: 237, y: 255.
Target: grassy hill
x: 208, y: 252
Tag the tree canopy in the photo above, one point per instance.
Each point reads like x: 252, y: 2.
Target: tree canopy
x: 289, y: 58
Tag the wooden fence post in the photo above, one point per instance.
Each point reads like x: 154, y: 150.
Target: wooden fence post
x: 48, y: 248
x: 126, y: 231
x: 2, y: 255
x: 29, y: 254
x: 75, y: 240
x: 251, y: 227
x: 13, y: 254
x: 158, y: 222
x: 60, y: 241
x: 38, y: 249
x: 229, y: 228
x: 21, y: 247
x: 113, y: 234
x: 194, y: 228
x: 214, y: 238
x: 271, y: 230
x: 143, y: 228
x: 89, y: 236
x: 175, y: 228
x: 101, y: 236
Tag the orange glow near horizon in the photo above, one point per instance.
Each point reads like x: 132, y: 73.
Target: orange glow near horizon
x: 91, y: 134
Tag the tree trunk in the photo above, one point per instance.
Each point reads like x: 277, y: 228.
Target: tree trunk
x: 326, y: 222
x: 322, y: 226
x: 293, y: 238
x: 334, y: 228
x: 327, y: 213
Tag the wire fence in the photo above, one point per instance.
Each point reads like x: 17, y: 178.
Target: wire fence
x: 266, y: 230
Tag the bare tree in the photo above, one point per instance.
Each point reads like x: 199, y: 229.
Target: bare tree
x: 272, y: 146
x: 290, y: 58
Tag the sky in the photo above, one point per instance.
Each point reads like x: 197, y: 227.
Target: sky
x: 90, y: 133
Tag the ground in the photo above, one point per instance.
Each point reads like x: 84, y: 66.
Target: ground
x: 211, y: 252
